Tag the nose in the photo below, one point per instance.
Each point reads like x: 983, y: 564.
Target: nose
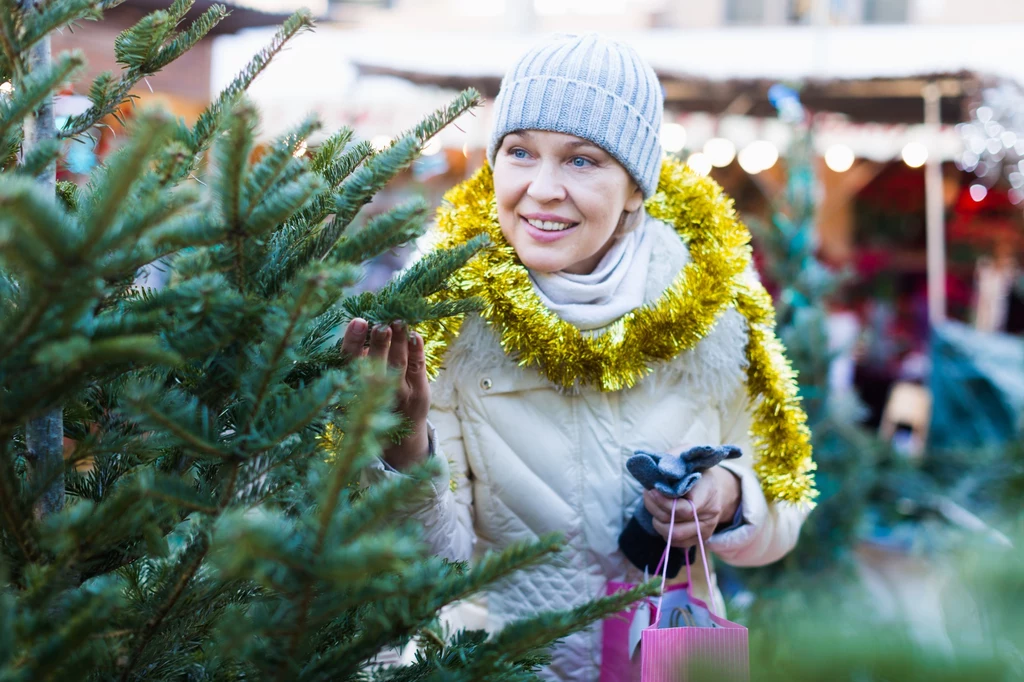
x: 547, y: 185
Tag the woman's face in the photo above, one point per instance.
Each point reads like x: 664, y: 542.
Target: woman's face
x: 560, y: 199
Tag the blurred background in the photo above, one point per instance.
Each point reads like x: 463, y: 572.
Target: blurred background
x: 875, y: 148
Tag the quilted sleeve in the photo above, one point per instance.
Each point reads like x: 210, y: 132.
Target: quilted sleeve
x: 447, y: 512
x: 769, y: 530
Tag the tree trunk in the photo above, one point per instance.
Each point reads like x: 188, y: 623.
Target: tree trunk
x: 44, y: 435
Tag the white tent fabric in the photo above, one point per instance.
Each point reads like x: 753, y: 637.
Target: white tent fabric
x: 316, y: 73
x: 721, y: 54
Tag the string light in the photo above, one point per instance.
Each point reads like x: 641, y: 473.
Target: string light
x: 758, y: 156
x: 673, y: 138
x: 839, y: 158
x: 700, y: 163
x: 993, y: 139
x: 300, y: 151
x: 915, y: 154
x: 978, y: 192
x: 6, y: 88
x: 720, y: 151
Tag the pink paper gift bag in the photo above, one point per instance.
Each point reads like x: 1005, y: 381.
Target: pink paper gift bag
x: 707, y: 648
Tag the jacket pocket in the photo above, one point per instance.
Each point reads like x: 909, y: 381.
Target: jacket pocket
x: 509, y: 379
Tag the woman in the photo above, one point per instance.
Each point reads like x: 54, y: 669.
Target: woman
x: 620, y: 315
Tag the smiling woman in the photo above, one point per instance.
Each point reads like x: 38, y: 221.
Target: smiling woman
x: 621, y: 313
x: 561, y: 200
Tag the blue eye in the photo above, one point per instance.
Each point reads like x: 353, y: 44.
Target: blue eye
x: 518, y: 153
x: 581, y: 162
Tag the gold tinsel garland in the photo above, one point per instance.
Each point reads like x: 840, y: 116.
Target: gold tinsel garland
x: 716, y: 278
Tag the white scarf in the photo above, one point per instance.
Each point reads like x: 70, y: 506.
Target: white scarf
x: 615, y: 287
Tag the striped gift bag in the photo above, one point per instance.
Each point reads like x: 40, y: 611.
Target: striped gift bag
x: 707, y: 648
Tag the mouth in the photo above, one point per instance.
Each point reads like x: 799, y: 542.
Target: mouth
x: 549, y: 225
x: 547, y: 230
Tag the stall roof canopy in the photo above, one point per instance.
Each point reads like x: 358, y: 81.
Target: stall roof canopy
x: 869, y: 73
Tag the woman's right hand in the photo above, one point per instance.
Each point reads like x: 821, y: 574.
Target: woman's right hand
x: 403, y: 352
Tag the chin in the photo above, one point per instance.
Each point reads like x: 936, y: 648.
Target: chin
x: 543, y: 262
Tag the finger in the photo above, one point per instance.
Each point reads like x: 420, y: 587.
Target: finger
x: 701, y: 495
x: 656, y: 509
x: 416, y: 370
x: 683, y: 534
x: 655, y: 505
x: 380, y: 342
x: 661, y: 500
x: 398, y: 354
x: 354, y: 338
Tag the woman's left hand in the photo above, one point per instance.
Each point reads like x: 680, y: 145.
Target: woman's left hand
x: 716, y: 496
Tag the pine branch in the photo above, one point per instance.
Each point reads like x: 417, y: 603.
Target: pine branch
x: 140, y: 45
x: 77, y: 353
x: 145, y: 49
x: 109, y: 194
x: 363, y: 431
x: 279, y: 165
x: 426, y: 594
x: 33, y: 234
x: 177, y: 492
x: 406, y: 297
x: 210, y: 120
x: 137, y: 234
x: 326, y: 155
x: 428, y: 275
x: 177, y: 414
x: 377, y: 505
x: 283, y: 202
x: 32, y: 91
x: 68, y: 194
x: 188, y: 565
x: 232, y: 156
x: 465, y: 101
x: 271, y: 366
x: 359, y: 188
x: 15, y: 522
x: 10, y: 46
x: 361, y: 441
x: 289, y: 247
x: 523, y: 638
x: 333, y: 176
x: 50, y: 16
x: 382, y: 233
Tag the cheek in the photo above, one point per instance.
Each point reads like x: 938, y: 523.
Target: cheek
x: 506, y: 203
x: 602, y: 213
x: 508, y: 192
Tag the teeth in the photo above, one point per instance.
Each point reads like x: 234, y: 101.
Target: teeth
x: 549, y: 225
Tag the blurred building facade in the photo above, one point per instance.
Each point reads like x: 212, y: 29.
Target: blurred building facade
x: 624, y: 15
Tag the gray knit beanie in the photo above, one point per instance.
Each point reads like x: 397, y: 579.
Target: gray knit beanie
x: 591, y: 87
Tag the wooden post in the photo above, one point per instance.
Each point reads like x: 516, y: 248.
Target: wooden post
x: 44, y: 435
x: 935, y: 222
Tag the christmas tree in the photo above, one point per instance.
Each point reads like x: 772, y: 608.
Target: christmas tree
x: 811, y: 617
x: 207, y: 520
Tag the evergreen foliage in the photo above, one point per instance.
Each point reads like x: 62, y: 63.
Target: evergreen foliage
x: 811, y: 617
x: 215, y: 526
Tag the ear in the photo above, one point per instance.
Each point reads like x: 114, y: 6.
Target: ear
x: 635, y: 200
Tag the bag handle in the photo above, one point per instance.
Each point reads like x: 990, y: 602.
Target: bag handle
x: 686, y: 557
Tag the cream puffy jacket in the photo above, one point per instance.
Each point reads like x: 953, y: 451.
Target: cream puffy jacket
x: 520, y: 458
